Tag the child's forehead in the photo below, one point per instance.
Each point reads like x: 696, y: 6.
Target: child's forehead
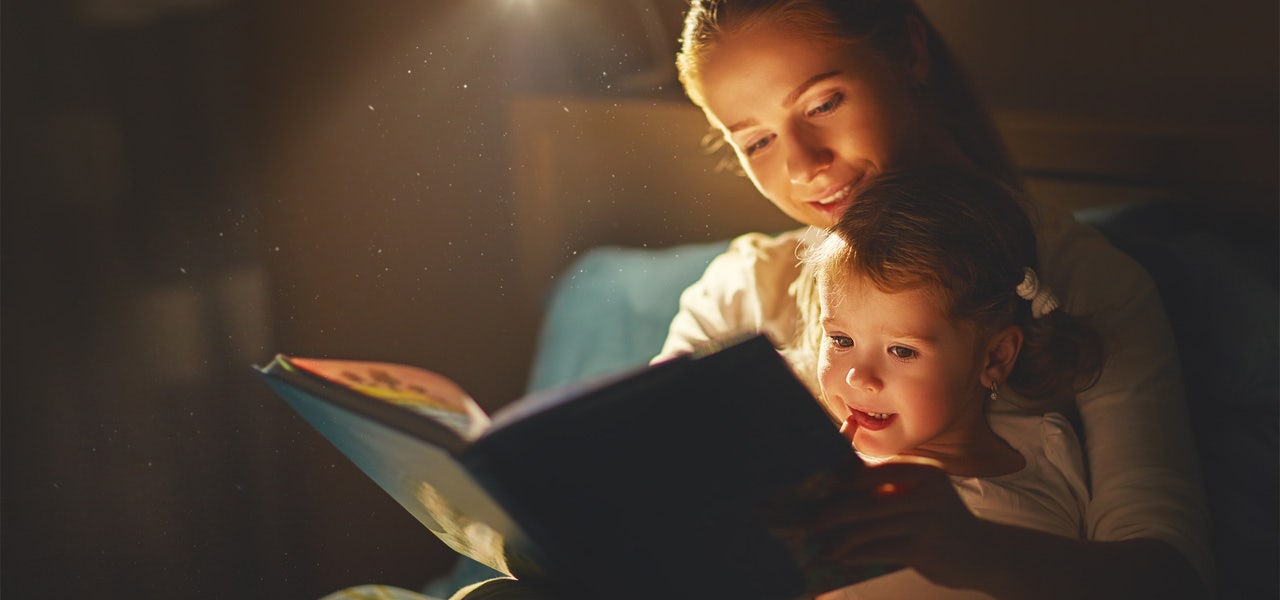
x: 850, y: 280
x: 847, y: 290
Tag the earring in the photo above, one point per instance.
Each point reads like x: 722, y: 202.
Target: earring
x: 994, y: 386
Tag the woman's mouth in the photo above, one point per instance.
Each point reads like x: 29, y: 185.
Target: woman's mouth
x: 871, y: 421
x: 834, y: 204
x: 837, y: 195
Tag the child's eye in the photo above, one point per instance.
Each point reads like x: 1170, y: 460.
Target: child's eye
x: 841, y: 341
x: 828, y: 106
x: 903, y: 352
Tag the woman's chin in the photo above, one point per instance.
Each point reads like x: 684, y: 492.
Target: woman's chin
x: 822, y: 219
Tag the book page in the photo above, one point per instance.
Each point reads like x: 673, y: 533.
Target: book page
x: 422, y: 391
x: 424, y: 478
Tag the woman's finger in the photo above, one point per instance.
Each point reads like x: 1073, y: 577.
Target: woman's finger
x: 892, y: 550
x: 881, y: 501
x: 854, y: 541
x: 904, y: 473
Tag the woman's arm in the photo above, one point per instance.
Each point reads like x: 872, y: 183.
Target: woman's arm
x: 922, y: 523
x: 1038, y: 565
x: 747, y: 288
x: 1143, y: 470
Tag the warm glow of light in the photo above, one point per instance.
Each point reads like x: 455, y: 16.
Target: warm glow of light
x: 886, y: 489
x: 524, y: 4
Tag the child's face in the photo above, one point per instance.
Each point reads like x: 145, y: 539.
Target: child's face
x: 902, y: 375
x: 810, y: 120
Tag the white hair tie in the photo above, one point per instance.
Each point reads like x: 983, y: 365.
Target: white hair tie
x: 1042, y: 299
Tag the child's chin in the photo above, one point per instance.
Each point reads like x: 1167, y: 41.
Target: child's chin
x: 870, y: 449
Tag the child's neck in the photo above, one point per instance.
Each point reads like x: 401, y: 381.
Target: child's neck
x: 973, y: 452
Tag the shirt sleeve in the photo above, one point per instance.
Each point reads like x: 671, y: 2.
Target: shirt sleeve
x: 1143, y: 470
x: 747, y: 289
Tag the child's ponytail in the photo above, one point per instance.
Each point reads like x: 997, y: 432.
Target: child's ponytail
x: 1060, y: 356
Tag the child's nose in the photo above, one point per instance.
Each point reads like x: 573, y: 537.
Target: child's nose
x: 862, y: 378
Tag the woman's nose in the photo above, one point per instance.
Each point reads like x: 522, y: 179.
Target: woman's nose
x: 807, y: 156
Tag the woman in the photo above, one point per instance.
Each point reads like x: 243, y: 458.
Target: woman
x: 817, y: 97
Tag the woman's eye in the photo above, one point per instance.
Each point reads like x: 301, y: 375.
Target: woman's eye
x: 827, y: 106
x: 758, y: 145
x: 841, y: 341
x: 902, y: 352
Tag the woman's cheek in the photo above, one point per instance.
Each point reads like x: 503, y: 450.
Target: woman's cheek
x: 766, y: 178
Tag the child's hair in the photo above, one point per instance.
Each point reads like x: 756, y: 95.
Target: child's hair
x: 968, y: 241
x: 885, y: 26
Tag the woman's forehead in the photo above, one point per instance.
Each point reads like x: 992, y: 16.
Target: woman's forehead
x: 761, y: 68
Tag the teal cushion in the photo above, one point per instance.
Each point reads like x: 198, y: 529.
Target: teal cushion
x: 611, y: 310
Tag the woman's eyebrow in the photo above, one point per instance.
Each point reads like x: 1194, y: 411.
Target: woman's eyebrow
x: 789, y: 100
x: 803, y: 87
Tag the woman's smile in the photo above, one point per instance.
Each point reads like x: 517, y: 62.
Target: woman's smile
x: 834, y: 200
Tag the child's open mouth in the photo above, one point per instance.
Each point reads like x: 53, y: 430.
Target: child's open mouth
x: 870, y: 420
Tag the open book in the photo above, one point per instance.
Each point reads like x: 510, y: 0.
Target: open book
x: 645, y: 483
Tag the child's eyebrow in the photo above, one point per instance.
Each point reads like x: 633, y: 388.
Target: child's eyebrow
x: 912, y: 336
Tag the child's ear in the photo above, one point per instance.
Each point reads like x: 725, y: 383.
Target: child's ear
x: 1001, y: 353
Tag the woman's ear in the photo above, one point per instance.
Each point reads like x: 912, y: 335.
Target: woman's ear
x: 917, y: 52
x: 1001, y: 353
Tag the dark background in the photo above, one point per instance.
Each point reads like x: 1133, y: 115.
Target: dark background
x: 190, y: 186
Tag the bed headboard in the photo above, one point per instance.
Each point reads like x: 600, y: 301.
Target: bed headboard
x: 593, y: 171
x: 636, y: 172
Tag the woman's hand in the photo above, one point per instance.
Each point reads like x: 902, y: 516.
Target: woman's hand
x: 902, y: 513
x: 910, y: 514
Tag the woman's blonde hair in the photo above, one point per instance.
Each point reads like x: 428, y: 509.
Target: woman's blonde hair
x: 885, y: 25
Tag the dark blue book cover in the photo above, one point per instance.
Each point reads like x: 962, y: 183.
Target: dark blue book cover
x: 640, y: 483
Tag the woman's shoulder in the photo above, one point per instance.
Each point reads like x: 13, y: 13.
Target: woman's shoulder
x: 748, y: 287
x: 763, y: 262
x: 766, y: 247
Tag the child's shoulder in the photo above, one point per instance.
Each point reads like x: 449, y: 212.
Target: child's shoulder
x: 1030, y: 431
x: 1049, y: 443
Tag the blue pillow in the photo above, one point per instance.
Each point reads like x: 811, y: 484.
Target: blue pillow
x: 612, y: 308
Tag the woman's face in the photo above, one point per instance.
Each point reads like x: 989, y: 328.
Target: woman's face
x: 810, y: 120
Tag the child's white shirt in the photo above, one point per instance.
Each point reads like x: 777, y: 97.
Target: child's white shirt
x: 1049, y: 494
